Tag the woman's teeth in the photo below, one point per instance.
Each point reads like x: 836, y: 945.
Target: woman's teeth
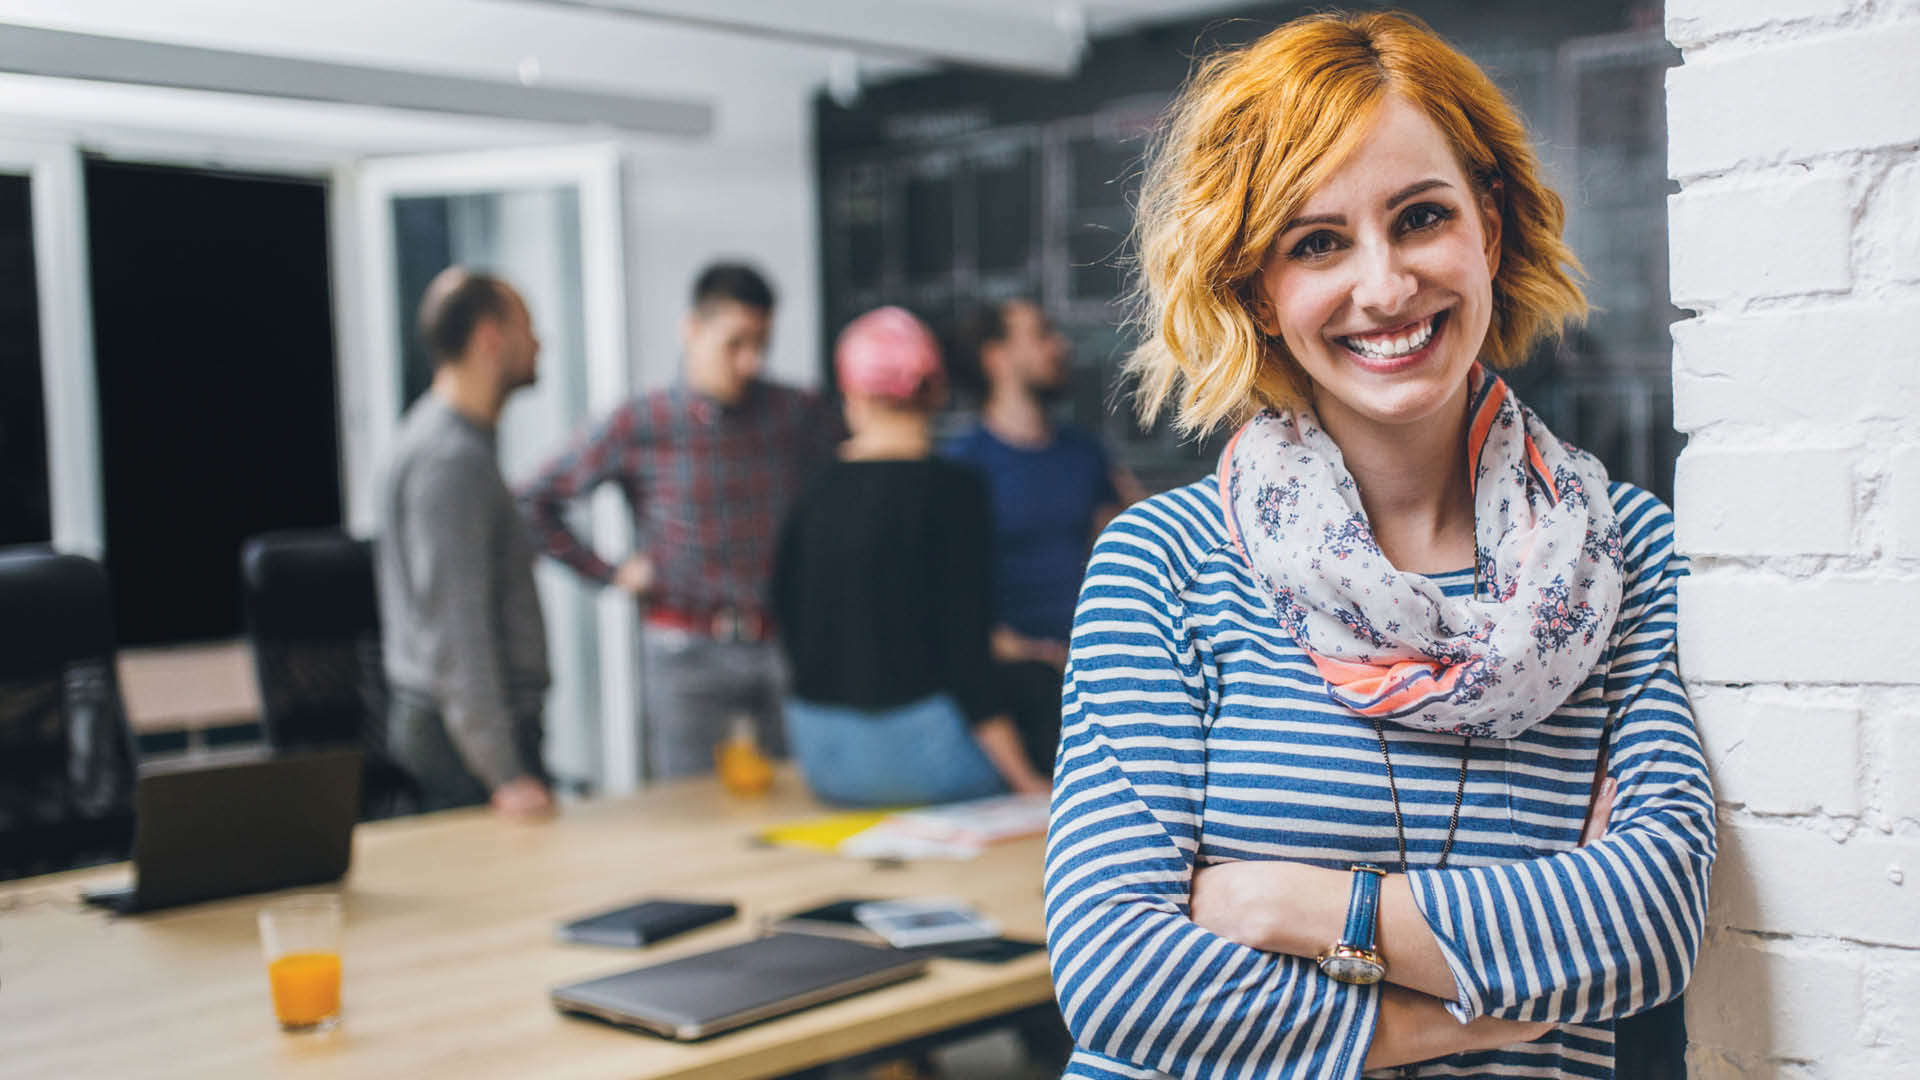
x: 1389, y: 347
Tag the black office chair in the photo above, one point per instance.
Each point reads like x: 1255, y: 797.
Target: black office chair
x: 314, y: 619
x: 66, y: 754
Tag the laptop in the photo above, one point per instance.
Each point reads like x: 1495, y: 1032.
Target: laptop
x: 225, y: 824
x: 711, y: 992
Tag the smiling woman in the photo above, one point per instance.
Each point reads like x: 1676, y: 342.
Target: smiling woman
x: 1374, y: 749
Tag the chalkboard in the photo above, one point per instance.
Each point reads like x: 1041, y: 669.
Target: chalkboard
x: 943, y: 191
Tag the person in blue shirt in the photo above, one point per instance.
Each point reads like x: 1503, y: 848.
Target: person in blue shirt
x: 1053, y: 489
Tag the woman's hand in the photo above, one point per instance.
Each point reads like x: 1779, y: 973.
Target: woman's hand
x: 1599, y: 813
x: 1414, y: 1027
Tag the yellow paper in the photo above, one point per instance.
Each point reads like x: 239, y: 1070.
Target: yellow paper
x: 823, y: 833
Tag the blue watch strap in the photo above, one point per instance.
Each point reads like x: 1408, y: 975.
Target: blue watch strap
x: 1363, y: 907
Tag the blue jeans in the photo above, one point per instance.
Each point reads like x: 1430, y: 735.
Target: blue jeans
x: 909, y: 755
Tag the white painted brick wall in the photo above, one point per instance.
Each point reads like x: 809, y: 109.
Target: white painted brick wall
x: 1892, y: 228
x: 1894, y: 1044
x: 1793, y: 99
x: 1787, y: 627
x: 1724, y: 246
x: 1900, y: 786
x: 1745, y: 984
x: 1794, y: 878
x: 1701, y: 20
x: 1734, y: 500
x: 1795, y: 240
x: 1762, y: 759
x: 1904, y: 499
x: 1761, y: 369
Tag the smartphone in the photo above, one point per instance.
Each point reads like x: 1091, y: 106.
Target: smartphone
x: 910, y: 924
x: 831, y: 919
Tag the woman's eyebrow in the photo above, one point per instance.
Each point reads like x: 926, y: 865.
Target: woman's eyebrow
x: 1393, y: 200
x: 1316, y: 219
x: 1413, y: 189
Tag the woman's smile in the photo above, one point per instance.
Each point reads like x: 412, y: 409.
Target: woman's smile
x: 1396, y: 348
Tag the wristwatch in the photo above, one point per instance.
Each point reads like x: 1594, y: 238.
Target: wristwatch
x: 1353, y: 959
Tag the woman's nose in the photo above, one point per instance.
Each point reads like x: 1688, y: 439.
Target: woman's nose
x: 1385, y: 284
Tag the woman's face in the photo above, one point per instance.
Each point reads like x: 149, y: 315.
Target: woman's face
x: 1382, y: 287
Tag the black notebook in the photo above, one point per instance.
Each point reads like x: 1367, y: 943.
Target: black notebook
x: 644, y: 923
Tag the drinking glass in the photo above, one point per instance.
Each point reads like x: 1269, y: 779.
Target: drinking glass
x: 301, y: 938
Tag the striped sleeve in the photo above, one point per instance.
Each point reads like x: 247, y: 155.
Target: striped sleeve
x: 1140, y: 985
x: 1610, y: 929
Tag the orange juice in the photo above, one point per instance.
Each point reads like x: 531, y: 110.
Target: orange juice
x: 306, y: 988
x: 743, y: 769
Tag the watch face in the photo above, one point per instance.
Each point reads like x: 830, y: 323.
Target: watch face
x: 1349, y: 968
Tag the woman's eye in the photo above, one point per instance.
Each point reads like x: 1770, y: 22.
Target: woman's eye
x: 1424, y: 216
x: 1315, y: 245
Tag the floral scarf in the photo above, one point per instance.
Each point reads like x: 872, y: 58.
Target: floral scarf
x: 1391, y: 646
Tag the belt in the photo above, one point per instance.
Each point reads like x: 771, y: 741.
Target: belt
x: 721, y: 624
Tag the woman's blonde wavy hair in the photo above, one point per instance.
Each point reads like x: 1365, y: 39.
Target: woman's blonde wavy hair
x: 1254, y: 133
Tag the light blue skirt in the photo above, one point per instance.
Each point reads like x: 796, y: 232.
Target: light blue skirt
x: 914, y: 754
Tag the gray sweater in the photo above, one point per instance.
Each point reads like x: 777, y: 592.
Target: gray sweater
x: 460, y: 618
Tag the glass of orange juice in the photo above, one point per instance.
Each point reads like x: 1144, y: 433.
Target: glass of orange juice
x: 301, y: 936
x: 743, y: 769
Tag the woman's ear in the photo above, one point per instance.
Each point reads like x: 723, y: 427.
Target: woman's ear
x: 1265, y: 318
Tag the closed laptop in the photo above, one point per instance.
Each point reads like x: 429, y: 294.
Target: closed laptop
x: 711, y: 992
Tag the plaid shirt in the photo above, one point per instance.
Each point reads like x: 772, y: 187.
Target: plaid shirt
x: 709, y: 486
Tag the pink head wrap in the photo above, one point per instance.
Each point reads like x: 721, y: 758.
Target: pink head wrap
x: 887, y: 353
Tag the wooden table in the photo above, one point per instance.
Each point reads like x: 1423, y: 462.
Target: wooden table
x: 449, y: 953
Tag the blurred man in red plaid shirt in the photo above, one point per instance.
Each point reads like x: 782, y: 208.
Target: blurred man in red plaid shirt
x: 708, y: 467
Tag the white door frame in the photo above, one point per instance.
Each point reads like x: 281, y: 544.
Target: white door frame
x: 365, y: 291
x: 71, y: 398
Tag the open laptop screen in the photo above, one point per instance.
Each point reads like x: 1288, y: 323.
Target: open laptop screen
x: 218, y: 825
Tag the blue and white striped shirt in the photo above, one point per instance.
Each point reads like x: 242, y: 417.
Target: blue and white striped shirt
x: 1195, y: 731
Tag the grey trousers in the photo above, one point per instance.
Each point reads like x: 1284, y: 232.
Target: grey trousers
x: 695, y: 686
x: 418, y: 740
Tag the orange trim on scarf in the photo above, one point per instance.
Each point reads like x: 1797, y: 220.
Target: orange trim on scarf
x: 1387, y: 689
x: 1477, y: 430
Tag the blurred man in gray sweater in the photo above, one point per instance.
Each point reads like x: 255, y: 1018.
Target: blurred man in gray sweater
x: 465, y: 643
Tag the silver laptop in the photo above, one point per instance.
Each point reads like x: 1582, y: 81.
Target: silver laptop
x: 711, y: 992
x: 208, y: 826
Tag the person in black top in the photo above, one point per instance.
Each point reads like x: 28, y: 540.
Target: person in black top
x: 883, y: 592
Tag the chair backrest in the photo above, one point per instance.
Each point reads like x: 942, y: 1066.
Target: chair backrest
x: 314, y: 619
x: 66, y: 755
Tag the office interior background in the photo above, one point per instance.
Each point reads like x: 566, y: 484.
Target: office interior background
x: 248, y: 296
x: 216, y: 218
